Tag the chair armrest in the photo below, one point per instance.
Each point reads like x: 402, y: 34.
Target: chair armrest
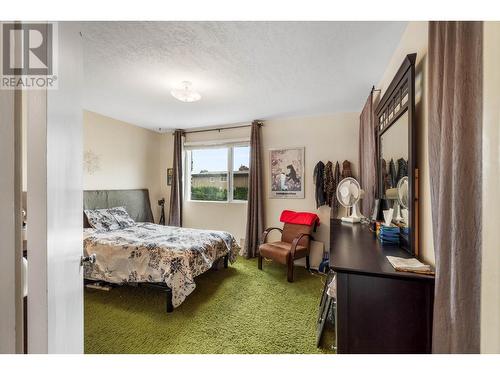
x: 267, y: 231
x: 296, y: 241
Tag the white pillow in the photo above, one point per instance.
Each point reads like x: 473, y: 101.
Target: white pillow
x: 102, y: 219
x: 122, y: 217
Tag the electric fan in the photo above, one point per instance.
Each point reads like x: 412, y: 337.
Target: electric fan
x: 348, y: 194
x: 403, y: 198
x: 403, y: 192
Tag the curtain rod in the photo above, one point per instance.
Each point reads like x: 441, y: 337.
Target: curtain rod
x: 218, y: 129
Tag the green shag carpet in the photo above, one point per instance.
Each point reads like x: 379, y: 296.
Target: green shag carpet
x: 234, y: 310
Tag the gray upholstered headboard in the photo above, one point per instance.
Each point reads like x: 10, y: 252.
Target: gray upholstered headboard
x: 135, y: 201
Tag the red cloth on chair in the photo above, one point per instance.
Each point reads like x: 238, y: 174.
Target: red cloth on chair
x: 302, y: 218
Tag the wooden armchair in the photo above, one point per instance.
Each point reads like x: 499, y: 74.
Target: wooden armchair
x: 294, y: 244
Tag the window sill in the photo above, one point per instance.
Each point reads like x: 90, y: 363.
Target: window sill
x: 217, y: 202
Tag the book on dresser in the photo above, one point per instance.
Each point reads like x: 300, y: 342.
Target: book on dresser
x: 410, y: 265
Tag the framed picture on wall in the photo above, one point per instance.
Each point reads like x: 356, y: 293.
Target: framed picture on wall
x: 287, y: 172
x: 170, y: 175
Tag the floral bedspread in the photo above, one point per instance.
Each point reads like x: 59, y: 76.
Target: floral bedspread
x: 149, y: 252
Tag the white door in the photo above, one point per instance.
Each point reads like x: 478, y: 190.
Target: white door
x: 54, y: 175
x: 10, y: 226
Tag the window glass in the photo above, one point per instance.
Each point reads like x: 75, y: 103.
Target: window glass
x: 209, y: 174
x: 241, y: 166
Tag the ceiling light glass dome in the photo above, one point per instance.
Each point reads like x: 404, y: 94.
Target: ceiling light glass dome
x: 185, y: 93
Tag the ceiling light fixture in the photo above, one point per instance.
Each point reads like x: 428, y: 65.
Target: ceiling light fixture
x: 185, y: 93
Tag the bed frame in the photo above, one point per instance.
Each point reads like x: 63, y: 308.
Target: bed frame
x: 169, y: 306
x: 138, y: 206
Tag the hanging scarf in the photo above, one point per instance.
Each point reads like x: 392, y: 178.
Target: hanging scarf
x: 328, y: 184
x: 346, y: 169
x: 318, y: 175
x: 335, y: 203
x: 385, y: 177
x: 402, y: 169
x: 392, y: 173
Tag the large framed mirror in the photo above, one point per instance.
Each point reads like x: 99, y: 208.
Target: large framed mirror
x: 396, y: 152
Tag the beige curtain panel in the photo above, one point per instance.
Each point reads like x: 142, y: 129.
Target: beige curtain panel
x: 175, y: 211
x: 455, y: 135
x: 367, y: 156
x: 255, y: 210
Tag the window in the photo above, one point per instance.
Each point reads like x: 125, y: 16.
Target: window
x: 217, y: 173
x: 241, y: 164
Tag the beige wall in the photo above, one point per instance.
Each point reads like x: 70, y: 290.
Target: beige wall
x: 325, y: 138
x: 124, y: 156
x: 490, y: 278
x: 415, y: 40
x: 333, y: 137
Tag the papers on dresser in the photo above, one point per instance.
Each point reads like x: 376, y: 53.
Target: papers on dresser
x: 409, y: 265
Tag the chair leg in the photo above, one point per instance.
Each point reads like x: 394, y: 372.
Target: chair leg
x: 260, y: 262
x: 290, y: 270
x: 307, y: 262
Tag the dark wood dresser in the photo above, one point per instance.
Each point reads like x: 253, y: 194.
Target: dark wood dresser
x: 378, y: 309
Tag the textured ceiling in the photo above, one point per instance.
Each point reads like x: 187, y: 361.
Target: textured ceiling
x: 243, y: 70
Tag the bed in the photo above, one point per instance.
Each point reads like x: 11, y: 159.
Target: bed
x: 147, y: 254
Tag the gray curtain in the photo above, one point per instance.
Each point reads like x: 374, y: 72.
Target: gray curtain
x: 175, y: 211
x: 255, y: 211
x: 455, y: 135
x: 367, y: 156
